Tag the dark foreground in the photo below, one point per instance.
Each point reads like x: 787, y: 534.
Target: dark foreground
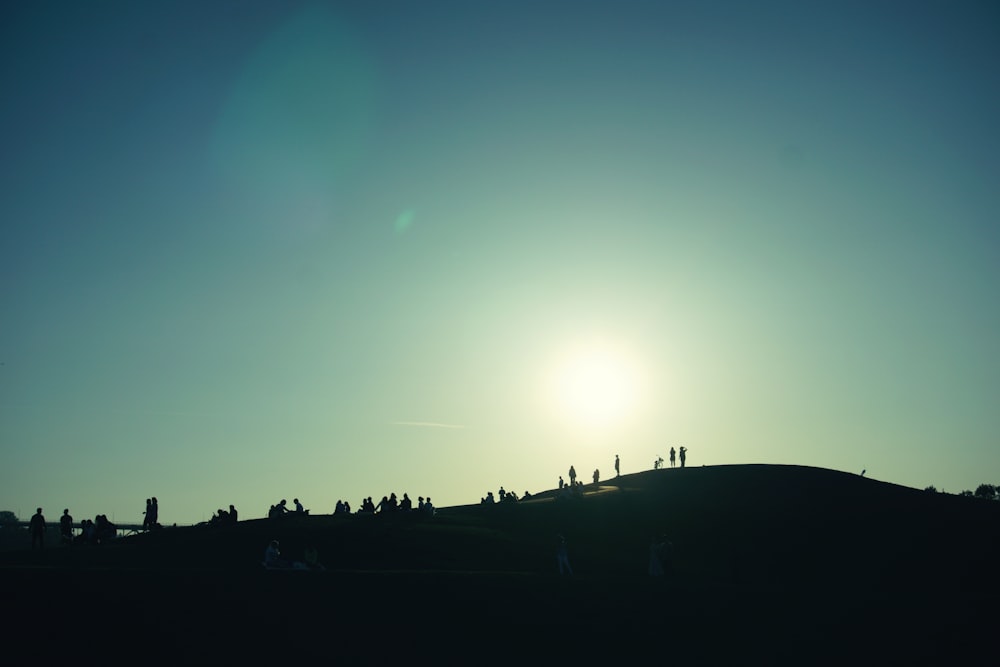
x: 245, y: 615
x: 773, y: 566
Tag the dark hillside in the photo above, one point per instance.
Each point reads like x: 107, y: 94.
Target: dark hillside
x: 773, y: 525
x: 817, y: 550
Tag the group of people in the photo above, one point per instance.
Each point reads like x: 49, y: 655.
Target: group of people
x: 673, y: 457
x: 658, y: 463
x: 98, y: 531
x: 391, y: 503
x: 505, y: 497
x: 388, y: 504
x: 273, y: 559
x: 281, y: 509
x: 151, y: 520
x: 224, y: 518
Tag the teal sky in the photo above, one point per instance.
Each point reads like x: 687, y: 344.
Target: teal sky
x: 262, y: 250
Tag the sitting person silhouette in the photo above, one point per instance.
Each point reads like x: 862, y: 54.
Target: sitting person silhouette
x: 273, y: 559
x: 312, y: 558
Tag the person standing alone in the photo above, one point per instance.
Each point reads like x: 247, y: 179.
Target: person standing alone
x: 66, y: 527
x: 618, y: 472
x: 37, y: 527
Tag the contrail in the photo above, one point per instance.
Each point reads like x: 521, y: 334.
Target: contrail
x: 427, y: 424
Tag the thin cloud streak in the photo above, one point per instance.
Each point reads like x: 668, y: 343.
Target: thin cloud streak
x: 427, y: 424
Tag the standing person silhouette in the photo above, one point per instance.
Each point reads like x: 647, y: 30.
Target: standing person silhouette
x: 673, y: 457
x: 562, y: 556
x: 66, y: 527
x: 572, y: 476
x: 154, y: 513
x: 618, y: 472
x: 37, y: 527
x: 684, y: 451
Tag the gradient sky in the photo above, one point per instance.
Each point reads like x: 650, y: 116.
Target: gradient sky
x: 264, y: 250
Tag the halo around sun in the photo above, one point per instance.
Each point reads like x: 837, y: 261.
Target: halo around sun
x: 595, y: 386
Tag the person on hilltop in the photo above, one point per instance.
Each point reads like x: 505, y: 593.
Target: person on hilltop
x: 147, y: 513
x: 66, y: 527
x: 154, y: 513
x: 37, y: 528
x: 618, y: 471
x: 673, y: 457
x: 233, y: 514
x: 684, y: 451
x: 561, y: 483
x: 572, y: 476
x: 597, y: 475
x: 299, y: 509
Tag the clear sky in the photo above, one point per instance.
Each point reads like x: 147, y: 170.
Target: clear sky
x: 264, y: 250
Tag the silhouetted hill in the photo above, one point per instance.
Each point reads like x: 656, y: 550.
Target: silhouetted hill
x: 747, y: 540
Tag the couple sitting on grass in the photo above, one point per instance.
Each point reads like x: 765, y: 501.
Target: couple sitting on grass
x: 274, y: 561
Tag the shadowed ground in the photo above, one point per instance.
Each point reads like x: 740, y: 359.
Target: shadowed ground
x: 771, y: 564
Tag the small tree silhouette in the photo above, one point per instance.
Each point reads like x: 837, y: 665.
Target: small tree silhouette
x: 7, y: 518
x: 931, y: 489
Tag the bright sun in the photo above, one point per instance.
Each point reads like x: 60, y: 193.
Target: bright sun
x: 595, y: 385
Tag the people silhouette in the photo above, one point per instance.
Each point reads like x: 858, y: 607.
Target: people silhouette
x: 562, y: 556
x: 572, y: 476
x: 655, y: 564
x: 66, y: 527
x: 659, y: 556
x: 597, y: 476
x: 684, y: 451
x: 311, y: 558
x: 673, y: 457
x: 561, y: 482
x: 272, y: 557
x: 37, y: 528
x: 154, y: 512
x: 232, y: 514
x: 618, y: 472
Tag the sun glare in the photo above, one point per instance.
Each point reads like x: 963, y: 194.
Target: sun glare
x: 595, y: 386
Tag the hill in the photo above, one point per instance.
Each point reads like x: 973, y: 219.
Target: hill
x: 749, y: 542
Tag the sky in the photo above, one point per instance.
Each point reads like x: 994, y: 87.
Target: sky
x: 329, y: 250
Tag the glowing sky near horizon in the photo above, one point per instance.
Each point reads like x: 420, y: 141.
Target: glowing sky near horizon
x: 260, y: 250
